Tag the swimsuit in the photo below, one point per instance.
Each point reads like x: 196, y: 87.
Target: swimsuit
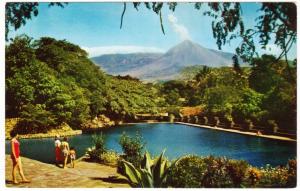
x: 16, y: 146
x: 72, y: 155
x: 64, y: 149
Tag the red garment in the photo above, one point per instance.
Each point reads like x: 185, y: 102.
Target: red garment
x: 16, y: 146
x: 58, y: 154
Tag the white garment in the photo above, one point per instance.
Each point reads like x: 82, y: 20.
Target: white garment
x: 57, y: 143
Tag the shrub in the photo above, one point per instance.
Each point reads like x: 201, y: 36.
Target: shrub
x: 237, y: 169
x: 196, y: 172
x: 132, y: 148
x: 173, y: 110
x: 35, y: 119
x: 209, y: 172
x: 187, y: 172
x: 273, y: 177
x: 95, y: 153
x: 110, y: 158
x: 254, y: 176
x: 292, y: 173
x: 99, y: 142
x: 216, y: 176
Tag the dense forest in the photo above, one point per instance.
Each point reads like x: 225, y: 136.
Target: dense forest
x: 51, y: 81
x: 264, y: 93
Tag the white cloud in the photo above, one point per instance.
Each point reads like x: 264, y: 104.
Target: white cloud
x: 180, y: 29
x: 100, y: 50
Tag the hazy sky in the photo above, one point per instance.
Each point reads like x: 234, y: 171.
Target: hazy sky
x: 96, y: 27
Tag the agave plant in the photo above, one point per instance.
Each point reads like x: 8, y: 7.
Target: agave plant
x: 151, y: 174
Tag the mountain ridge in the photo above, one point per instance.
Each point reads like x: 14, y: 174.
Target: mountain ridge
x: 163, y: 66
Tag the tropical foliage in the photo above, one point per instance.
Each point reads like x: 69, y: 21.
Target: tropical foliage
x: 218, y: 172
x: 133, y: 148
x: 50, y: 81
x: 193, y: 171
x: 150, y: 174
x: 265, y: 91
x: 99, y: 147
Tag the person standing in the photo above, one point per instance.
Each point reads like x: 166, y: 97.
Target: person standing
x: 65, y: 150
x: 72, y: 156
x: 58, y: 153
x: 16, y: 158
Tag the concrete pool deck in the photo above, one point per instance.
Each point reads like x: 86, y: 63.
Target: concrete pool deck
x: 240, y: 132
x: 84, y: 175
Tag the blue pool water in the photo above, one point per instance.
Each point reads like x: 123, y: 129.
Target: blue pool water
x: 178, y: 140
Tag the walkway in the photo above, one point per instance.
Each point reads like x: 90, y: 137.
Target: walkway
x: 240, y: 132
x: 84, y: 175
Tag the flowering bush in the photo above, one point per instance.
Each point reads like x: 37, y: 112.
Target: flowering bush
x: 254, y: 176
x: 292, y: 173
x: 110, y: 158
x: 273, y: 177
x: 211, y: 172
x: 237, y: 169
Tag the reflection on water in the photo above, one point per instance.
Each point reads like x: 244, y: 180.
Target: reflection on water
x: 178, y: 140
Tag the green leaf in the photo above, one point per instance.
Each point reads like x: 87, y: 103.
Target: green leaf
x: 146, y: 179
x: 132, y: 174
x: 158, y: 170
x: 146, y: 163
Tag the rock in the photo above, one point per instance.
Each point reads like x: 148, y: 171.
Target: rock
x: 63, y: 130
x: 98, y: 122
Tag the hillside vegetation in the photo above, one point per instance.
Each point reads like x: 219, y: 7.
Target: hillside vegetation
x: 50, y: 82
x: 264, y: 93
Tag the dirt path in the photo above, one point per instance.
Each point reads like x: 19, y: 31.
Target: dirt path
x: 85, y: 174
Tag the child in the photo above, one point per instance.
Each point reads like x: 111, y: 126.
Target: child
x: 72, y: 156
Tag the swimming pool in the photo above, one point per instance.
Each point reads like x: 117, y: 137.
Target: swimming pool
x: 178, y: 140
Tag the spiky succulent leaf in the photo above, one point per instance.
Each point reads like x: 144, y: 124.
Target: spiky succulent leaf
x: 146, y: 179
x: 147, y: 162
x: 132, y: 174
x: 158, y: 168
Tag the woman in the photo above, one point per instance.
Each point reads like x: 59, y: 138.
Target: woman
x: 16, y: 158
x: 57, y: 144
x: 65, y: 150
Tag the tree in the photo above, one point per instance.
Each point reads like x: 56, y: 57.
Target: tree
x: 18, y: 54
x: 267, y: 72
x: 16, y: 14
x: 249, y: 106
